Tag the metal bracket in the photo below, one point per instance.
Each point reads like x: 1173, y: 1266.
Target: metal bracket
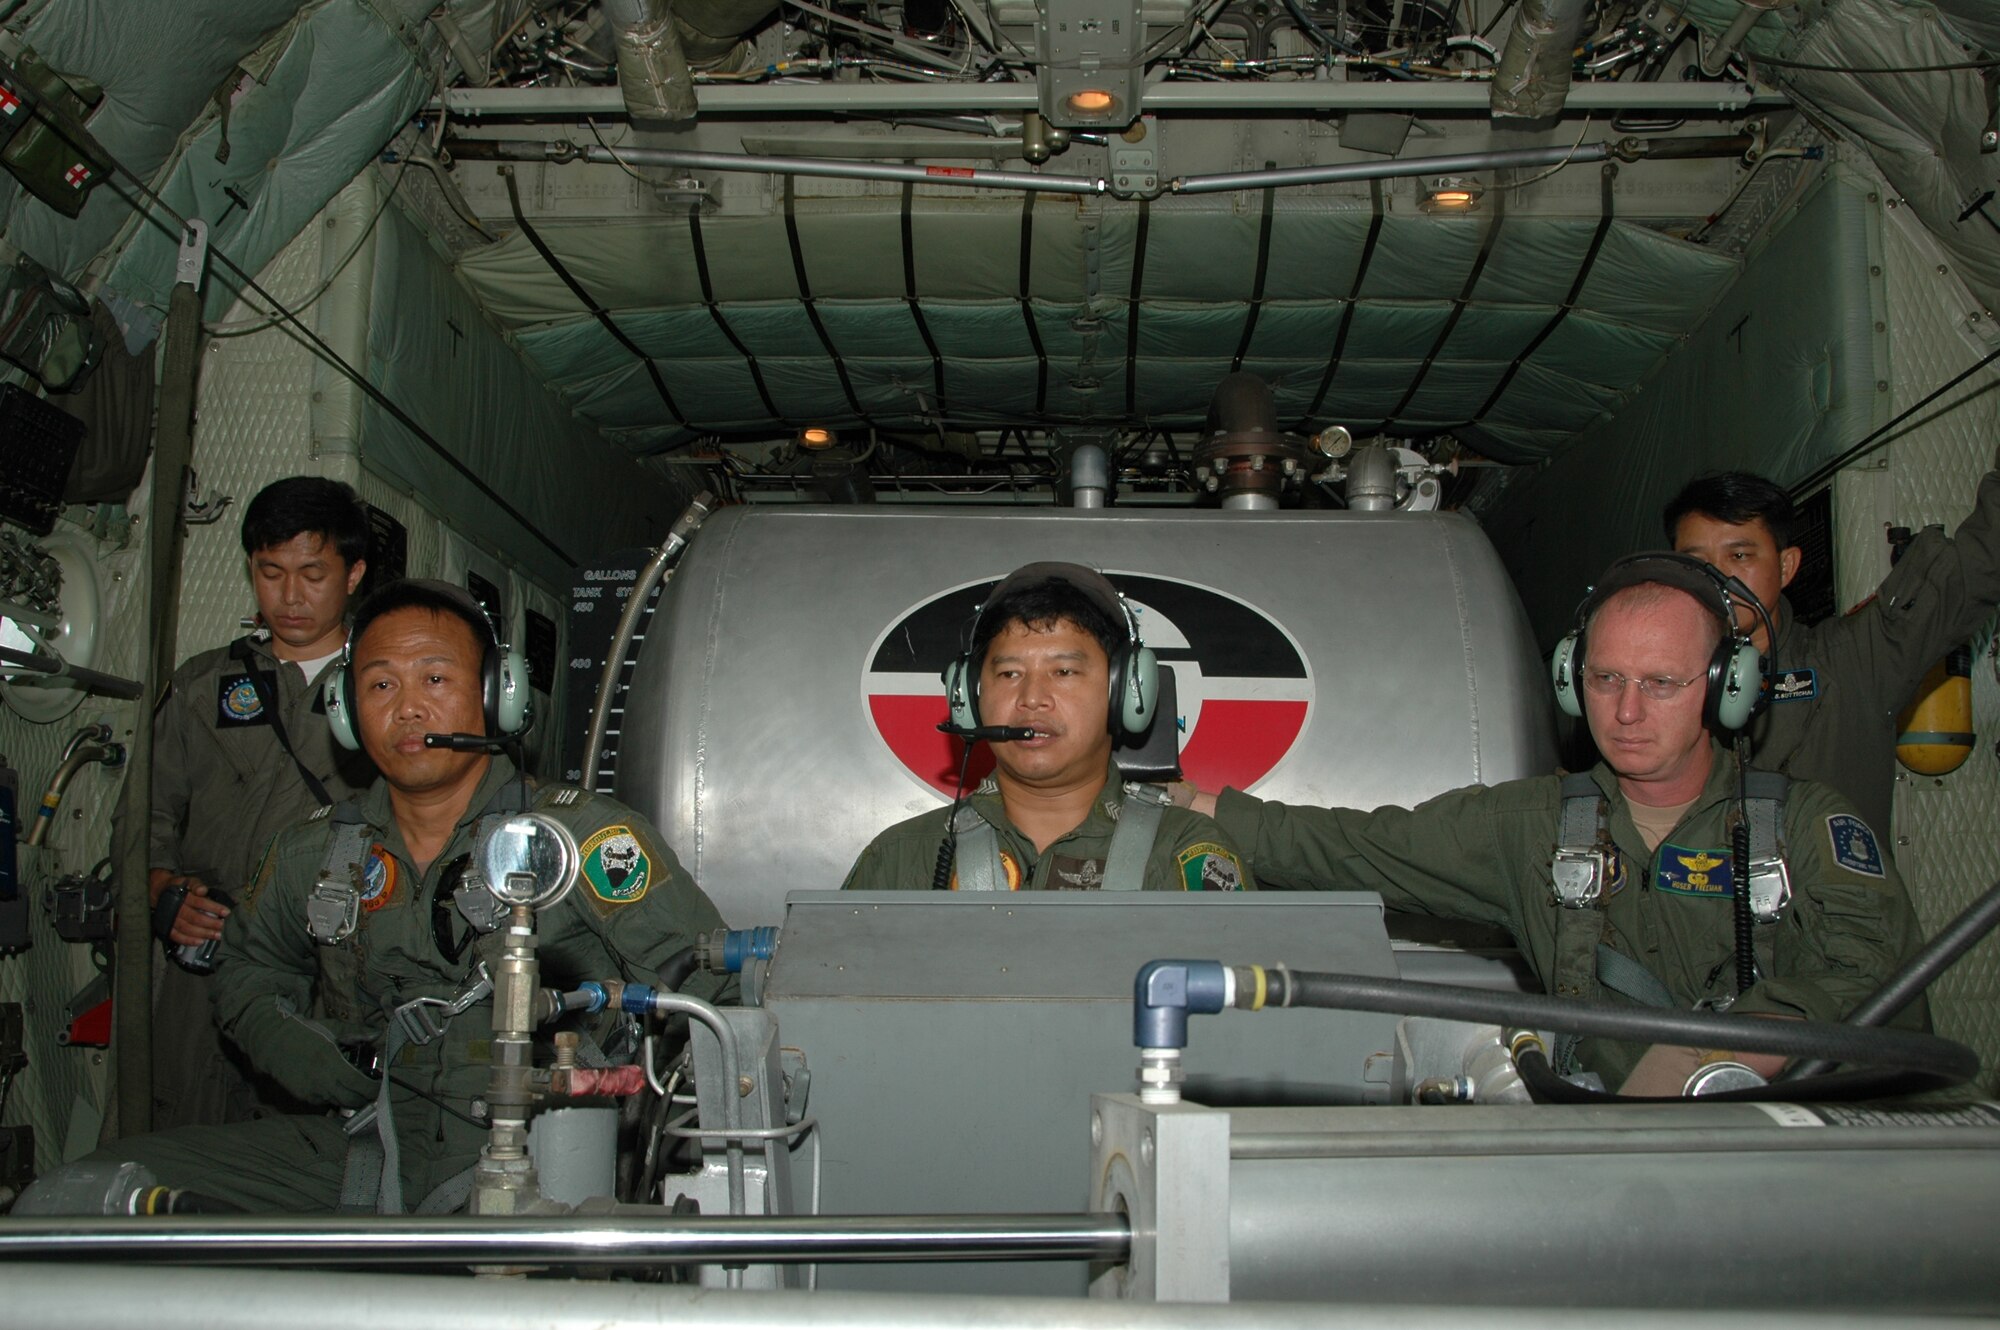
x: 192, y: 263
x: 421, y: 1024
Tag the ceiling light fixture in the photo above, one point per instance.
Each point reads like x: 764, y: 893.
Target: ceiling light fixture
x: 1449, y: 193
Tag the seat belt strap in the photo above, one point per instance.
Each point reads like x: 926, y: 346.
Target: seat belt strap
x: 1132, y: 841
x: 1621, y: 974
x: 978, y: 853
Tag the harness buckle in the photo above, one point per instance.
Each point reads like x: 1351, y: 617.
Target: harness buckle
x: 1577, y: 879
x: 1770, y: 889
x: 333, y: 911
x: 423, y: 1019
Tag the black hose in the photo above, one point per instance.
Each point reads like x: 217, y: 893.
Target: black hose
x: 677, y: 968
x: 1546, y: 1087
x: 1906, y: 1050
x: 1904, y: 986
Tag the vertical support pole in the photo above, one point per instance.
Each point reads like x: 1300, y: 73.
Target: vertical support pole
x: 173, y: 447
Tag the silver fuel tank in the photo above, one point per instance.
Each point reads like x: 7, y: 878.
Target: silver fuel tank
x: 783, y: 708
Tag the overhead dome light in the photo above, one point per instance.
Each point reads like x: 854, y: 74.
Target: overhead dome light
x: 1091, y: 101
x: 1450, y: 194
x: 817, y: 437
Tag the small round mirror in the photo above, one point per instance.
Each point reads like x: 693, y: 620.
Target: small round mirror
x: 529, y: 860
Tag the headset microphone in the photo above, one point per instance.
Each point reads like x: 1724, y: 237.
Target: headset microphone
x: 990, y: 733
x: 467, y: 743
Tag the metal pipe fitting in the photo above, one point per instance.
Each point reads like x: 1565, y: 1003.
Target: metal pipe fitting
x: 1371, y: 480
x: 1089, y: 476
x: 90, y: 744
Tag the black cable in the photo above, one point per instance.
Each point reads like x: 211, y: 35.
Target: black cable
x: 1908, y: 1050
x: 1879, y: 436
x: 948, y: 847
x: 1739, y: 853
x: 1881, y: 69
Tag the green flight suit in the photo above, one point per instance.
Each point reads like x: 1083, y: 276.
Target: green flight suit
x: 223, y: 786
x: 1190, y: 853
x: 1484, y: 853
x: 1837, y: 685
x: 290, y: 1003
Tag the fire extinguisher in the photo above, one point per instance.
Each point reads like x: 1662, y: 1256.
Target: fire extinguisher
x: 1934, y: 733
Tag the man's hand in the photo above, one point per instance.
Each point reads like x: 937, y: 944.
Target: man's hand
x: 199, y: 918
x: 1664, y: 1070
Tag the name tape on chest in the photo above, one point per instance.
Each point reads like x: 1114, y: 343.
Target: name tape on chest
x: 1694, y: 872
x: 237, y: 704
x: 1795, y: 686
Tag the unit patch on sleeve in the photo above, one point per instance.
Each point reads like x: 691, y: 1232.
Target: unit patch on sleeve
x: 1794, y: 686
x: 378, y: 878
x: 1206, y: 866
x: 1854, y: 846
x: 1693, y: 872
x: 615, y: 865
x: 237, y: 703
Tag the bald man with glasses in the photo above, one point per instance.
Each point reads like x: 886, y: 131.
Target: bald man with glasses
x: 1619, y: 884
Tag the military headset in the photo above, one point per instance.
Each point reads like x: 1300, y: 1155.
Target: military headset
x: 504, y: 696
x: 1135, y: 671
x: 1733, y: 683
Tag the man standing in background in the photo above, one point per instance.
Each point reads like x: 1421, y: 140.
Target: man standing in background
x: 241, y: 751
x: 1838, y: 684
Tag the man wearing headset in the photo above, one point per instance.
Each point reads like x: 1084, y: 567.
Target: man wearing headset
x: 369, y: 906
x: 1054, y: 653
x: 240, y: 752
x: 1638, y: 902
x: 1840, y: 682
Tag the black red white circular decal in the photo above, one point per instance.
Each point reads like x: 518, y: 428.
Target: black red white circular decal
x: 1244, y: 691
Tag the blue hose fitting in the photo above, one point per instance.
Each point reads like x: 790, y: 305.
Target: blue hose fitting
x: 1167, y: 992
x: 636, y: 1000
x: 742, y: 945
x: 599, y: 999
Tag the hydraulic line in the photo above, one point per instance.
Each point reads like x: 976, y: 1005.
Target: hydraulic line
x: 649, y: 577
x: 1937, y: 1060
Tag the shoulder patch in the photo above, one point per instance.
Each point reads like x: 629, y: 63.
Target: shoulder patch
x: 616, y: 865
x: 564, y: 795
x: 1794, y: 686
x: 237, y: 703
x: 1206, y: 866
x: 377, y: 877
x: 1686, y: 872
x: 1854, y: 846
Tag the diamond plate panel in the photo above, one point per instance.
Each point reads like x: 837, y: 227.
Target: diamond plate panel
x: 1947, y: 828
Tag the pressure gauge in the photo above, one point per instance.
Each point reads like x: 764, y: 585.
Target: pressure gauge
x: 528, y: 860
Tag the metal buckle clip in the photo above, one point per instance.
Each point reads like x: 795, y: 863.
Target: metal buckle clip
x: 333, y: 911
x: 1770, y: 890
x: 1578, y: 878
x: 421, y: 1024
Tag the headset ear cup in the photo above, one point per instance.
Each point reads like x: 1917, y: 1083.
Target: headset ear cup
x: 1140, y: 688
x: 337, y: 700
x: 1735, y: 696
x: 962, y: 706
x: 1563, y: 672
x: 507, y: 715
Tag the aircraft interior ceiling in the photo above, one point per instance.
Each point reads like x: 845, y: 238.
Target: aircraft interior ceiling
x: 900, y: 223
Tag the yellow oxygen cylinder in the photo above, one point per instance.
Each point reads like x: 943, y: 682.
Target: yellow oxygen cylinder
x: 1934, y: 734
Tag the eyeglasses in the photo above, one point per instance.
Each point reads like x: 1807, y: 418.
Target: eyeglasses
x: 1658, y: 687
